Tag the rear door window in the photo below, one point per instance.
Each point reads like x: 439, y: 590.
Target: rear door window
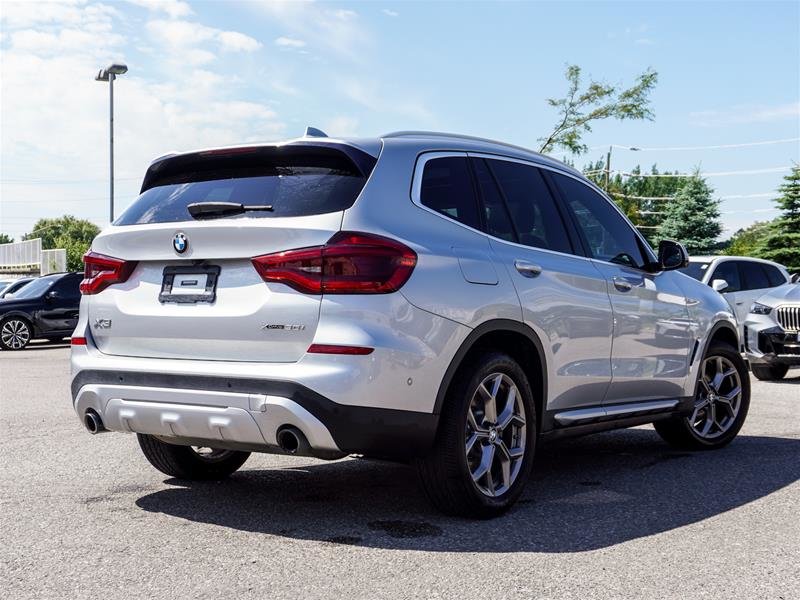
x: 495, y: 211
x: 68, y: 287
x: 447, y: 189
x: 753, y: 276
x: 534, y: 215
x: 294, y: 181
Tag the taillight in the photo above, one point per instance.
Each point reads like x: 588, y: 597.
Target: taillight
x: 350, y: 263
x: 101, y: 271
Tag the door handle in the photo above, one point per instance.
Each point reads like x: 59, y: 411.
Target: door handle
x: 527, y: 269
x: 621, y: 284
x: 740, y: 303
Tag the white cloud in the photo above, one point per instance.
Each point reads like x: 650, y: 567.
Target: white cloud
x: 745, y: 113
x: 287, y: 42
x: 173, y: 8
x: 27, y: 14
x: 337, y: 30
x: 371, y: 96
x: 390, y: 13
x: 189, y: 33
x: 341, y: 126
x: 81, y: 41
x: 55, y: 127
x: 237, y: 42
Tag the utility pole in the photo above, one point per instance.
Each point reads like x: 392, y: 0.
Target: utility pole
x: 109, y: 74
x: 608, y: 168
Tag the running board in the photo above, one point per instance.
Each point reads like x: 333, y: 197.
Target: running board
x: 613, y: 411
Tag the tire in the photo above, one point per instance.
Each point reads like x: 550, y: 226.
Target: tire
x: 184, y: 462
x: 769, y: 372
x: 448, y: 473
x: 719, y: 411
x: 15, y: 333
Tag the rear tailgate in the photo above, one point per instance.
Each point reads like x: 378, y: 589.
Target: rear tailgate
x: 193, y: 292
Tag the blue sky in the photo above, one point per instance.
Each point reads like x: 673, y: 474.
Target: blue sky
x: 213, y: 73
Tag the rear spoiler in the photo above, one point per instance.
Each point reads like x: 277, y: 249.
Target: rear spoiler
x: 204, y: 165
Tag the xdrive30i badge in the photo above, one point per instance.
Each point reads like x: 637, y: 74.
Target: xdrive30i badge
x: 283, y: 326
x: 180, y: 242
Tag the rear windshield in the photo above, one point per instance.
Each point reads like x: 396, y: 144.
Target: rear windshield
x: 294, y: 181
x: 696, y: 270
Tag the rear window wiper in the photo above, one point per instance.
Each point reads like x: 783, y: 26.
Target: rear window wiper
x: 213, y: 210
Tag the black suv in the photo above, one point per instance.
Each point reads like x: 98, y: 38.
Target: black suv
x: 45, y: 308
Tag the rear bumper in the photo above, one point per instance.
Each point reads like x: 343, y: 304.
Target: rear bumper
x: 247, y: 414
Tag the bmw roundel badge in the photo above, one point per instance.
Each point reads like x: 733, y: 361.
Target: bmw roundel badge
x: 180, y: 242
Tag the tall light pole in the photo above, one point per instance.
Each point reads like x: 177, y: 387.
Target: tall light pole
x: 109, y: 74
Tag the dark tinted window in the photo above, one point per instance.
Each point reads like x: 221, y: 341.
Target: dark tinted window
x: 774, y: 275
x: 730, y: 273
x: 606, y: 232
x: 753, y: 275
x: 533, y: 210
x: 68, y: 286
x: 696, y: 270
x: 294, y: 181
x: 447, y: 188
x: 498, y: 223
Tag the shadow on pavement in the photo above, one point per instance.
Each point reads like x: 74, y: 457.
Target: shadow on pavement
x: 585, y: 494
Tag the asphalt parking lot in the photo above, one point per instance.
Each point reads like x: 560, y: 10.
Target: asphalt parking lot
x: 609, y: 516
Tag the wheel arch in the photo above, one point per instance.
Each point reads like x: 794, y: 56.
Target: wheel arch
x: 723, y: 331
x: 513, y: 337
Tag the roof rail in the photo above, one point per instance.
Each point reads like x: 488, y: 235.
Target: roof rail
x: 397, y: 134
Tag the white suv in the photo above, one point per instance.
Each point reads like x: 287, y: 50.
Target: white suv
x: 420, y: 297
x: 740, y: 279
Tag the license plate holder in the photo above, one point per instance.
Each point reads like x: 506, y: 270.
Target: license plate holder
x: 189, y: 284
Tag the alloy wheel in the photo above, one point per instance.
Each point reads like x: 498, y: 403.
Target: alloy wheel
x: 718, y: 399
x: 15, y: 334
x: 495, y: 434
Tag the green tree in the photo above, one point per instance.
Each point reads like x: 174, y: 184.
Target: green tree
x: 74, y: 235
x: 692, y: 217
x: 748, y: 240
x: 630, y: 194
x: 783, y: 245
x: 582, y: 107
x: 5, y: 238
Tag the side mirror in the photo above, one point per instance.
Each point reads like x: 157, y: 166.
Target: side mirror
x: 672, y: 255
x: 719, y: 285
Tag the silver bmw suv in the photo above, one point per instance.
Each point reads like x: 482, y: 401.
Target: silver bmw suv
x: 438, y: 299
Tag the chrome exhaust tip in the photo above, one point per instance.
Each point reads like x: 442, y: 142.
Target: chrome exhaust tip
x: 292, y: 441
x: 93, y: 422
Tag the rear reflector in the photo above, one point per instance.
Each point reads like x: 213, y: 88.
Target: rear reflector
x: 78, y: 341
x: 350, y: 263
x: 334, y: 349
x: 101, y: 271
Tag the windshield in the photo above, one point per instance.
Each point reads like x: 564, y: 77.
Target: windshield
x: 35, y: 288
x: 696, y: 270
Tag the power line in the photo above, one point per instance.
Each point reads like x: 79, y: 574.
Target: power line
x: 730, y: 197
x: 685, y: 148
x: 61, y: 181
x: 712, y: 174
